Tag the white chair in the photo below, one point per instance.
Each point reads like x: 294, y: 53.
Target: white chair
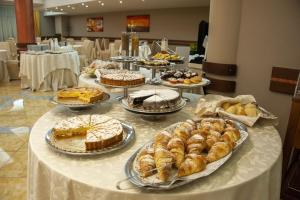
x: 105, y: 51
x: 115, y: 48
x: 70, y: 41
x: 86, y: 53
x: 12, y: 62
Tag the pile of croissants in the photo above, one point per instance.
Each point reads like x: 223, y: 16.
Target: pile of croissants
x: 249, y: 109
x: 189, y: 148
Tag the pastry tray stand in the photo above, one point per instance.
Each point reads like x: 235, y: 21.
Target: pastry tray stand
x: 181, y: 87
x: 126, y: 62
x: 125, y: 89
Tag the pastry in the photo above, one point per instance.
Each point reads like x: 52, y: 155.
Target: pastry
x: 187, y: 81
x: 154, y: 99
x: 84, y: 94
x: 218, y: 151
x: 183, y: 131
x: 196, y: 144
x: 181, y: 76
x: 196, y: 79
x: 161, y: 139
x: 192, y: 164
x: 146, y: 165
x: 100, y: 131
x: 212, y: 138
x: 121, y: 77
x: 231, y: 135
x: 163, y: 160
x: 177, y: 148
x: 250, y: 110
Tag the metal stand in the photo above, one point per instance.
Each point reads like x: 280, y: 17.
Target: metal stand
x: 125, y: 95
x: 180, y: 90
x: 153, y: 73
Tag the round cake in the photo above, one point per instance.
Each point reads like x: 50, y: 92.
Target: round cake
x: 121, y: 78
x: 100, y: 131
x: 154, y: 99
x: 84, y: 94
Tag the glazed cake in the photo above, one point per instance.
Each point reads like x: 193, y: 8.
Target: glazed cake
x: 154, y: 99
x: 84, y: 94
x: 121, y: 77
x: 100, y: 131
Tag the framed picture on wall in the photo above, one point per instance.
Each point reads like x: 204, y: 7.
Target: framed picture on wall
x: 94, y: 24
x: 138, y: 23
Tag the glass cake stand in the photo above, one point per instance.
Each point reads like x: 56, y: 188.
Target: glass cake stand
x: 181, y: 86
x: 126, y: 60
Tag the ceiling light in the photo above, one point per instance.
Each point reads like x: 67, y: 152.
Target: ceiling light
x: 86, y: 6
x: 99, y: 1
x: 73, y: 8
x: 121, y: 1
x: 56, y: 8
x: 69, y: 6
x: 82, y: 4
x: 102, y: 4
x: 61, y: 9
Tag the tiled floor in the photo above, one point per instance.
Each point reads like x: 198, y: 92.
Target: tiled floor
x: 19, y: 109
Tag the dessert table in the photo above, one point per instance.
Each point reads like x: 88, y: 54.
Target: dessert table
x: 4, y: 76
x: 49, y: 71
x: 253, y: 172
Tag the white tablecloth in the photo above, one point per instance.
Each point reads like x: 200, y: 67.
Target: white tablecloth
x: 253, y: 172
x: 49, y: 71
x: 4, y: 77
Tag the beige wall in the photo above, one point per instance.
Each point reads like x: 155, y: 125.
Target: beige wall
x: 176, y: 24
x: 269, y: 36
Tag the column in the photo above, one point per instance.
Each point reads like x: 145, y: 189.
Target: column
x: 25, y: 23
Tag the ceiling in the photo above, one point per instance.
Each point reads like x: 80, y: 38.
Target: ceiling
x: 95, y: 6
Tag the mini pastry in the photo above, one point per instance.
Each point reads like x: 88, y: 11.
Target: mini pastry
x: 161, y: 139
x: 192, y: 164
x: 212, y: 138
x: 196, y: 144
x: 230, y: 136
x: 196, y: 79
x: 187, y: 81
x: 146, y: 165
x: 176, y: 147
x: 172, y: 80
x: 218, y: 151
x: 163, y: 160
x: 250, y: 110
x: 226, y: 105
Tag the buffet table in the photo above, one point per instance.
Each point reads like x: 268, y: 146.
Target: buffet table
x: 253, y: 172
x: 49, y: 71
x: 4, y: 76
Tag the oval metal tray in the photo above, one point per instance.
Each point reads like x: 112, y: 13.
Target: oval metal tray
x: 176, y: 108
x: 74, y: 104
x: 129, y: 135
x: 134, y: 178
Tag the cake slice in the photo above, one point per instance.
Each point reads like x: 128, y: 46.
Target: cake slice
x: 154, y: 102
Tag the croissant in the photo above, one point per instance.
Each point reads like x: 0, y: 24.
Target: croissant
x: 196, y: 144
x: 161, y: 139
x: 250, y: 110
x: 183, y: 131
x: 212, y: 138
x: 176, y: 147
x: 163, y: 160
x: 231, y: 135
x: 214, y: 124
x: 218, y: 151
x: 192, y: 164
x: 146, y: 165
x: 191, y: 122
x: 148, y: 150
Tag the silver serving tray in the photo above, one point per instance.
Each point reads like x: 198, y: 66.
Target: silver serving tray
x: 79, y: 105
x: 176, y: 108
x: 203, y: 83
x: 134, y: 178
x: 129, y: 136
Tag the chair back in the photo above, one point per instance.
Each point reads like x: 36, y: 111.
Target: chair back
x: 70, y: 41
x: 97, y: 45
x: 5, y: 46
x: 13, y: 49
x: 118, y: 44
x: 87, y: 48
x: 104, y: 44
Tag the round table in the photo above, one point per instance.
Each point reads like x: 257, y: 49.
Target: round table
x: 49, y: 71
x: 253, y: 172
x: 4, y: 76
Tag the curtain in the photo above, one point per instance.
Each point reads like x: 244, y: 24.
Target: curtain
x: 37, y: 23
x: 7, y: 22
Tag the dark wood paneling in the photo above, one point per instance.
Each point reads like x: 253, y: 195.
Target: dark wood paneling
x: 111, y: 39
x: 284, y: 80
x: 221, y: 85
x: 220, y: 69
